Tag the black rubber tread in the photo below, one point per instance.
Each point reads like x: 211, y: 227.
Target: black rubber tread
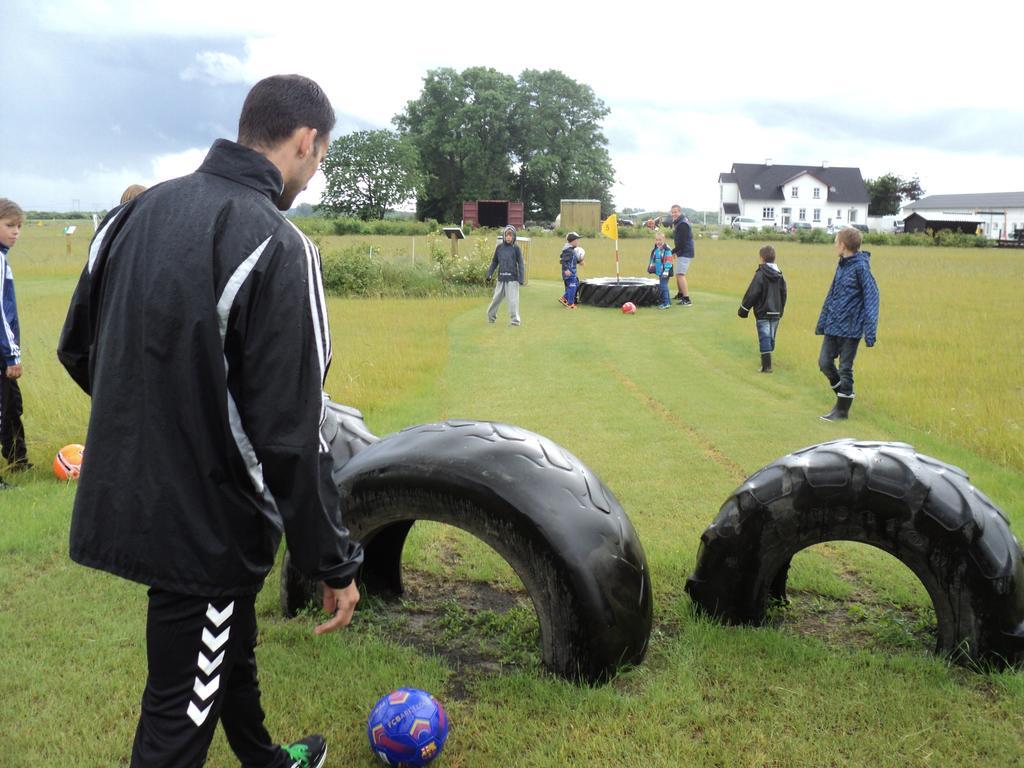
x: 921, y: 510
x: 345, y: 431
x: 557, y: 525
x: 609, y: 292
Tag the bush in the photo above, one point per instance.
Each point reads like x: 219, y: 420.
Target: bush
x: 462, y: 270
x: 362, y: 270
x: 344, y: 225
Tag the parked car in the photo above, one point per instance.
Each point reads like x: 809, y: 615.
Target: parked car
x: 743, y: 224
x: 625, y: 222
x: 798, y: 225
x: 835, y: 226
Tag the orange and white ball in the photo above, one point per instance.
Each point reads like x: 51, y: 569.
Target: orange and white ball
x: 67, y: 464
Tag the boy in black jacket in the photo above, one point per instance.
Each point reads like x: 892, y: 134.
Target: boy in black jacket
x: 766, y: 295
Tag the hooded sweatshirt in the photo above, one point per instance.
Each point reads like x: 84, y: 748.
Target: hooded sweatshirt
x: 766, y: 294
x: 851, y: 305
x: 508, y: 260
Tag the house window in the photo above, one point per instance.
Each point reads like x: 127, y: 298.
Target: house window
x: 803, y: 214
x: 817, y: 214
x: 853, y: 215
x: 817, y: 193
x: 768, y: 214
x: 839, y: 215
x: 794, y: 192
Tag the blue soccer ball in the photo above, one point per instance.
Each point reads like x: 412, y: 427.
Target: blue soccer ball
x: 407, y: 727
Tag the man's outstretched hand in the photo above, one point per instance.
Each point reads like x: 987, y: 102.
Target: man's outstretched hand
x: 340, y: 602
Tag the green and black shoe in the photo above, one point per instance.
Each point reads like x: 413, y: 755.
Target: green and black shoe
x: 309, y: 752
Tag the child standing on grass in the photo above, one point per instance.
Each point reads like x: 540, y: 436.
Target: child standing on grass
x: 850, y: 312
x: 572, y: 256
x: 766, y: 295
x: 661, y: 264
x: 12, y: 433
x: 508, y: 261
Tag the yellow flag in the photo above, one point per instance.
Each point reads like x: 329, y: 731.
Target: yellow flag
x: 610, y: 227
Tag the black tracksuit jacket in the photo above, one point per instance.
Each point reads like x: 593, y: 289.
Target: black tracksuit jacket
x: 199, y: 328
x: 766, y: 294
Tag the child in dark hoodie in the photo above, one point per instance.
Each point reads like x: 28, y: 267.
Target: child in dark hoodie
x: 766, y: 295
x: 508, y: 261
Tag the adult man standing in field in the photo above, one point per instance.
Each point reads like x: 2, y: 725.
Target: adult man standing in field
x: 199, y: 327
x: 682, y: 236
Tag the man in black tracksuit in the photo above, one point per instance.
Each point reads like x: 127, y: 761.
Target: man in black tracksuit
x: 199, y: 328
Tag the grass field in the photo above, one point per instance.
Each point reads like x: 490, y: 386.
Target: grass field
x: 844, y: 677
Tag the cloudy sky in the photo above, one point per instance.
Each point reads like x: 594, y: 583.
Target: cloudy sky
x: 99, y: 94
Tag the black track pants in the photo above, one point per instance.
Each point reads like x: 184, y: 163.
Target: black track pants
x: 202, y: 669
x: 12, y: 433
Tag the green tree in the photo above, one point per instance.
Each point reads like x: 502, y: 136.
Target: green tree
x: 481, y: 134
x: 889, y: 192
x: 559, y: 147
x: 368, y: 172
x: 460, y: 126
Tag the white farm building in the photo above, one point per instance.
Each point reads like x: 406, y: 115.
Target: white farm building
x: 998, y: 214
x: 783, y: 195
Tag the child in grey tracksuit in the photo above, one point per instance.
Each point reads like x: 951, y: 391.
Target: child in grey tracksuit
x: 508, y: 262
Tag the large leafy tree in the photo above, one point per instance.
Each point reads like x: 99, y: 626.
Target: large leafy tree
x: 460, y: 126
x: 369, y: 172
x: 889, y: 192
x: 482, y: 134
x: 560, y: 149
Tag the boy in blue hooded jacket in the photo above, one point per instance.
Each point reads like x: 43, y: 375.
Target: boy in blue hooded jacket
x: 850, y: 312
x: 12, y: 433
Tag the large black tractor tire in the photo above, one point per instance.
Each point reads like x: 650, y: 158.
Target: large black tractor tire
x: 540, y: 508
x: 920, y: 510
x: 609, y: 292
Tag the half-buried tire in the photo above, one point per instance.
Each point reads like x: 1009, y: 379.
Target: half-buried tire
x: 540, y: 508
x: 920, y: 510
x: 609, y: 292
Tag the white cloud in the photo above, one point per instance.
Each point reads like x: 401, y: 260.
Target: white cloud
x: 215, y: 68
x: 676, y: 79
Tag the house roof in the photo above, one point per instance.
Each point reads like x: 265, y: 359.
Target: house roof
x: 848, y: 183
x: 977, y: 201
x: 727, y: 178
x: 960, y: 217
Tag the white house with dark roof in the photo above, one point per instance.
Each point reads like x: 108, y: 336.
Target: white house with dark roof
x: 999, y: 214
x: 782, y: 195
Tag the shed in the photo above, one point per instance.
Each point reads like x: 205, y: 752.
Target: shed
x: 493, y: 213
x: 936, y: 222
x: 581, y: 215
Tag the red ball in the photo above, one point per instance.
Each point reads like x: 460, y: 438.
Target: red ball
x: 629, y: 308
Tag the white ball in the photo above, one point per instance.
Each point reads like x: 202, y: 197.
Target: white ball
x: 580, y: 253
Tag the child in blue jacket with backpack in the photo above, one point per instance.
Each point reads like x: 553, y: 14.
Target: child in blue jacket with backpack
x: 572, y: 255
x: 662, y: 264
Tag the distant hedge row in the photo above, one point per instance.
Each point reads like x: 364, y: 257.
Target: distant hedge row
x: 361, y: 269
x: 944, y: 238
